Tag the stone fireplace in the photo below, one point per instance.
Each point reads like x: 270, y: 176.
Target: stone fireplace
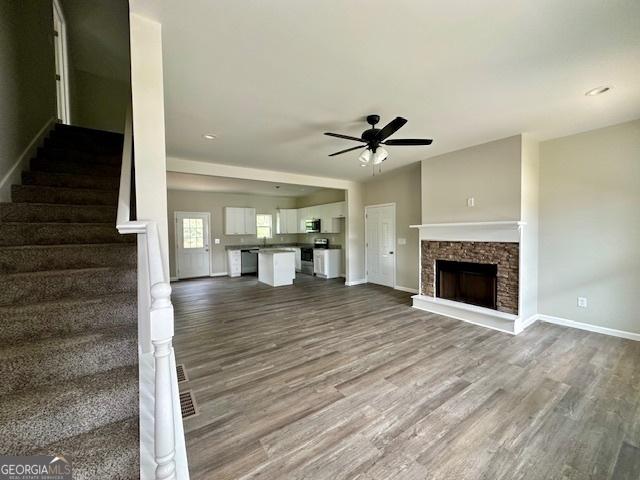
x: 501, y: 256
x: 474, y: 272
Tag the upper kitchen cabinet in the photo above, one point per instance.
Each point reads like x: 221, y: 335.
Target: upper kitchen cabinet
x: 288, y: 220
x: 330, y: 215
x: 239, y: 221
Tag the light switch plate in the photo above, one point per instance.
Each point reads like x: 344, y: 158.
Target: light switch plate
x: 582, y: 302
x: 402, y: 241
x: 216, y: 241
x: 471, y: 202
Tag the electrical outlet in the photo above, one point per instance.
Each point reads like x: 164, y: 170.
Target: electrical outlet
x: 471, y: 202
x: 216, y: 241
x: 582, y: 302
x: 402, y: 241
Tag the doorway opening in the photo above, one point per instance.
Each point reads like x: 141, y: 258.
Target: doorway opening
x: 61, y: 64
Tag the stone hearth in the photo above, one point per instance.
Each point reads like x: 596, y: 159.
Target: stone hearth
x: 503, y: 254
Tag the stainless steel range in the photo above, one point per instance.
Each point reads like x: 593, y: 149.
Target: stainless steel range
x: 306, y: 254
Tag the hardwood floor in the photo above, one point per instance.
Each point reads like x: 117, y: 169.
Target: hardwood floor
x: 322, y: 381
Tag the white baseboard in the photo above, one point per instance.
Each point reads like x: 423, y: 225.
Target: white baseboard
x: 406, y: 289
x: 13, y: 176
x: 521, y: 325
x: 589, y: 327
x: 219, y: 274
x: 355, y: 282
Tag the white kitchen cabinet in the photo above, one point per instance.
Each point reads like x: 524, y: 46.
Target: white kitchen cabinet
x: 330, y: 215
x: 234, y: 263
x: 239, y: 221
x: 250, y: 226
x: 327, y: 263
x: 298, y: 256
x: 276, y: 267
x: 288, y: 220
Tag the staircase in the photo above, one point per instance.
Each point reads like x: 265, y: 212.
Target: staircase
x: 68, y: 319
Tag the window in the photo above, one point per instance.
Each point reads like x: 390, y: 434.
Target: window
x: 192, y: 233
x: 264, y: 223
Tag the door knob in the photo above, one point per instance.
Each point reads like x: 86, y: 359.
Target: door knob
x: 390, y: 253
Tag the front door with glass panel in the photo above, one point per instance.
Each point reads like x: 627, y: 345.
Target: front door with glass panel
x: 192, y: 241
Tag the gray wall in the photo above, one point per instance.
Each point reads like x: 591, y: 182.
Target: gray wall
x: 99, y: 62
x: 489, y: 172
x: 590, y: 226
x: 27, y: 76
x: 402, y: 187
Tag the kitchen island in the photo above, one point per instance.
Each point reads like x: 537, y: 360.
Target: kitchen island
x: 276, y: 267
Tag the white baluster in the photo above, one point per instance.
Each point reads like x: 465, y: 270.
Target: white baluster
x: 161, y: 336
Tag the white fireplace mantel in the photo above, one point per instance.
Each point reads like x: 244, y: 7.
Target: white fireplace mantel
x: 498, y: 231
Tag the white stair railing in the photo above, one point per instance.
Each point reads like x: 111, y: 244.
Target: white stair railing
x: 155, y: 318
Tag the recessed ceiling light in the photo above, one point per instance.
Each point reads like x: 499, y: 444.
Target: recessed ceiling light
x: 597, y: 91
x: 209, y: 136
x: 363, y: 165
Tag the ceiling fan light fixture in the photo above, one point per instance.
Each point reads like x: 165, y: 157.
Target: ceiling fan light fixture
x: 365, y: 157
x: 380, y: 156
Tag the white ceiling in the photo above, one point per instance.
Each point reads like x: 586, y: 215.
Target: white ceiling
x: 269, y: 77
x: 209, y: 183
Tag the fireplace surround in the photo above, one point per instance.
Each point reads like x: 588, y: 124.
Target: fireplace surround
x: 504, y: 255
x: 501, y: 244
x: 468, y: 282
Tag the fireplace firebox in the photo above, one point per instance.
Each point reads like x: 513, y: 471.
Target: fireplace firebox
x: 467, y: 282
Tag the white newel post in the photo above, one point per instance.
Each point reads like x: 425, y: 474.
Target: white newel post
x: 161, y: 336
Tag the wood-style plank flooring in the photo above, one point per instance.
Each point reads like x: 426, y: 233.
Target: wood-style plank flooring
x: 322, y: 381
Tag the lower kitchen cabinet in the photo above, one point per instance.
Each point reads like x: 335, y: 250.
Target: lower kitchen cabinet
x: 327, y: 263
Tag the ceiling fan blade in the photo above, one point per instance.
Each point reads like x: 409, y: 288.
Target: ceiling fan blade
x: 390, y: 128
x: 347, y: 150
x: 409, y: 141
x: 346, y: 137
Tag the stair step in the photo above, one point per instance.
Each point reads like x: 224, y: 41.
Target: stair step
x: 55, y: 152
x: 56, y: 212
x: 112, y: 451
x: 19, y: 323
x: 60, y: 233
x: 36, y: 258
x: 44, y: 164
x: 74, y: 407
x: 62, y: 195
x: 74, y: 131
x: 56, y: 360
x: 70, y: 180
x: 29, y: 287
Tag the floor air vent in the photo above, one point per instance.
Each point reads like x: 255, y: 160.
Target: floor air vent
x: 182, y: 373
x: 188, y: 404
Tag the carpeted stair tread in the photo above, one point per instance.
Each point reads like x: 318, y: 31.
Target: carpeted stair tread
x: 70, y: 180
x: 110, y: 452
x: 35, y: 418
x: 58, y: 233
x: 44, y: 164
x: 56, y: 213
x: 78, y: 155
x: 35, y: 258
x: 63, y: 195
x: 59, y: 359
x: 25, y: 287
x: 67, y: 316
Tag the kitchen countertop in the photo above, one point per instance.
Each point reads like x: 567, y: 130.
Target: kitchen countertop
x: 272, y: 251
x: 276, y: 245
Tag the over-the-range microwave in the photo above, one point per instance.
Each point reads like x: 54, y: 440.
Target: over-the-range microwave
x: 312, y: 226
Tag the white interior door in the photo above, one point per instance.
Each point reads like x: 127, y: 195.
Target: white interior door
x: 192, y: 242
x: 380, y: 225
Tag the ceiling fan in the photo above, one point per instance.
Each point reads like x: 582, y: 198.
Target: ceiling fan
x: 373, y: 138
